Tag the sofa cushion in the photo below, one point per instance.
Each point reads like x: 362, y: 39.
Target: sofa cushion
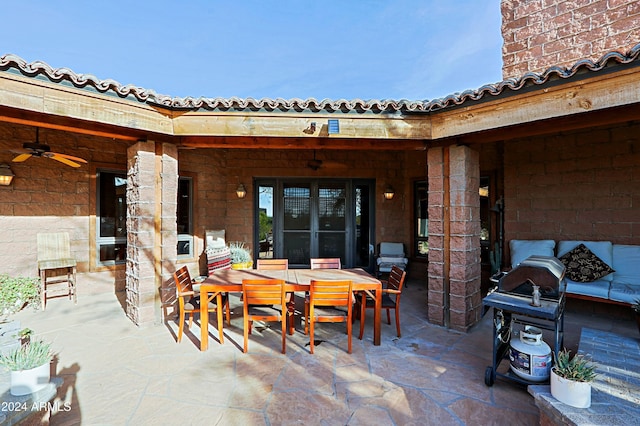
x: 627, y: 293
x: 626, y: 262
x: 584, y: 266
x: 522, y: 249
x: 602, y: 249
x: 599, y: 288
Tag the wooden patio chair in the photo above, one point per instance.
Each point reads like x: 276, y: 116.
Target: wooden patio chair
x: 261, y: 299
x: 325, y: 297
x: 189, y: 300
x: 391, y: 292
x: 55, y: 264
x: 272, y: 264
x: 326, y: 263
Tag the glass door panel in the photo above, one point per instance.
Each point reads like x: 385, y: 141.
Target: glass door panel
x: 331, y: 212
x: 296, y: 241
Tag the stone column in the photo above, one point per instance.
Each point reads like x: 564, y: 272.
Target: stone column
x: 152, y: 182
x: 454, y: 237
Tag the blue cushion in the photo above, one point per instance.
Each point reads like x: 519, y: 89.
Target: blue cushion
x: 522, y: 249
x: 627, y: 293
x: 602, y: 249
x: 626, y: 262
x: 599, y: 288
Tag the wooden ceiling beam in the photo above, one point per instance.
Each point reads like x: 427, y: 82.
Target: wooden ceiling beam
x: 244, y: 142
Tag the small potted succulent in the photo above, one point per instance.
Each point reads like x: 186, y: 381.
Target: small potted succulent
x: 29, y: 365
x: 571, y: 379
x: 240, y: 256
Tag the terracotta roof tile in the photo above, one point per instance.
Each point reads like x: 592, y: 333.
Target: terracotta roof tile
x: 10, y: 62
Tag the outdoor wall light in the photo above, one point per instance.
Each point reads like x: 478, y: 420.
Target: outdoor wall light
x: 333, y: 127
x: 6, y: 175
x: 389, y: 193
x: 241, y: 192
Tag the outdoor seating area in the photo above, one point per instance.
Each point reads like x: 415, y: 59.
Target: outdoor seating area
x: 131, y: 375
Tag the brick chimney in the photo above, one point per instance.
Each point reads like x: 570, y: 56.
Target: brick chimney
x: 539, y: 34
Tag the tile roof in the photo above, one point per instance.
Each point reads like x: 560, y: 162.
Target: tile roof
x: 11, y: 62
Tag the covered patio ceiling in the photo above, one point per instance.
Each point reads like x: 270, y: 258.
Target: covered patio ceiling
x: 585, y: 99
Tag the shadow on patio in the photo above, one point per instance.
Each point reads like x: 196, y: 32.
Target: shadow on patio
x: 117, y: 373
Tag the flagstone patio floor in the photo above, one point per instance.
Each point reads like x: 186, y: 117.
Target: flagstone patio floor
x: 115, y: 373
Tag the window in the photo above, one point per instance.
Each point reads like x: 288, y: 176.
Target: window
x: 185, y: 217
x: 111, y: 217
x: 421, y: 233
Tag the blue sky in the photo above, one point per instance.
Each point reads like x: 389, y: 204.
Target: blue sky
x: 347, y: 49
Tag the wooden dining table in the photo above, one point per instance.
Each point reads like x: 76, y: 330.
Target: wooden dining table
x: 296, y: 280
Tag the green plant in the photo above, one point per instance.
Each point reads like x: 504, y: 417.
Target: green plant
x: 28, y: 356
x: 239, y: 253
x: 578, y: 368
x: 16, y: 293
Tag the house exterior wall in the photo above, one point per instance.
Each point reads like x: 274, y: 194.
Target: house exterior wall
x: 579, y: 186
x: 49, y: 196
x: 539, y: 34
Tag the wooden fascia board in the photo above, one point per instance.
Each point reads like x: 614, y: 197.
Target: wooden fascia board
x: 40, y: 97
x: 563, y: 100
x: 299, y: 125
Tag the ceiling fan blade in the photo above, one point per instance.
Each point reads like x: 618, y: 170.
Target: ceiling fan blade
x: 63, y: 160
x: 69, y: 157
x: 22, y: 157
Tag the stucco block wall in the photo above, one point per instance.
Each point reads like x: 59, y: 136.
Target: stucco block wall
x: 578, y: 186
x: 539, y: 34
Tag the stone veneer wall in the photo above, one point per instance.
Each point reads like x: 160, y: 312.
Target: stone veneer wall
x: 454, y: 237
x: 539, y: 34
x: 151, y: 229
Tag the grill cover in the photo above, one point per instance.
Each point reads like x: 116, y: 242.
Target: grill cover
x: 544, y: 271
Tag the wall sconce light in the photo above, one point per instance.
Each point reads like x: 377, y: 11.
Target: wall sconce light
x: 389, y: 193
x: 333, y: 127
x: 241, y: 192
x: 6, y: 175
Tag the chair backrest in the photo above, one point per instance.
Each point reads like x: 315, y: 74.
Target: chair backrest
x: 263, y: 292
x: 396, y: 278
x: 326, y: 263
x: 53, y: 246
x: 215, y: 239
x: 331, y: 293
x: 391, y: 249
x: 183, y: 281
x: 272, y: 264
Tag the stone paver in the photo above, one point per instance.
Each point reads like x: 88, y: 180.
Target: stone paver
x: 115, y: 373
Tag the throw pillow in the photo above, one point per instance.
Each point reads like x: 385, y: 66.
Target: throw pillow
x: 583, y: 266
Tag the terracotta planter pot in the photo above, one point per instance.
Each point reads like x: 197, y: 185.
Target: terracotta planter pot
x: 575, y: 394
x: 24, y: 382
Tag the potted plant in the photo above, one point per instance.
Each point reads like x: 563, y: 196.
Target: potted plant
x: 571, y: 379
x: 240, y: 256
x: 636, y: 308
x: 29, y: 365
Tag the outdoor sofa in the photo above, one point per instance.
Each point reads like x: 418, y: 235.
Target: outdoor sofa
x: 588, y: 271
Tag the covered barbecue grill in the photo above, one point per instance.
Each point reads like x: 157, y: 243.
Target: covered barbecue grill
x: 511, y: 301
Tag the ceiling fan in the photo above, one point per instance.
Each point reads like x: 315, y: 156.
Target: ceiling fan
x: 37, y: 149
x: 317, y: 164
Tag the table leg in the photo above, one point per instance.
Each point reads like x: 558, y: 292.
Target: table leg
x: 376, y: 318
x: 204, y: 321
x: 219, y: 309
